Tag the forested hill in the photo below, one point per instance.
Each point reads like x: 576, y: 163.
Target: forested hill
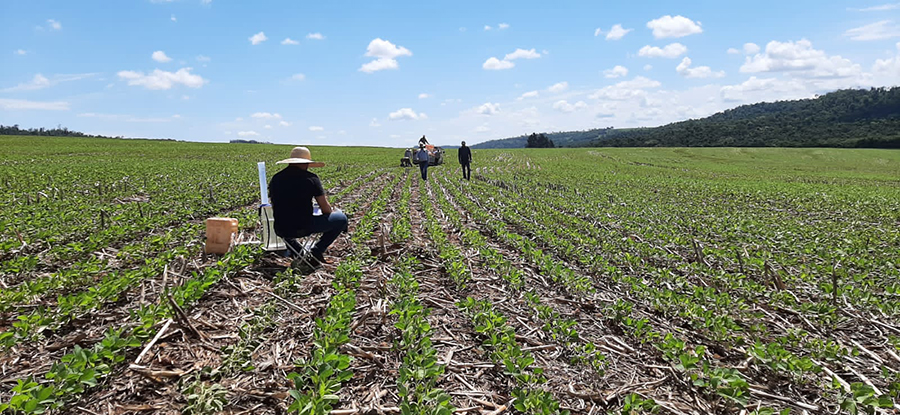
x: 560, y: 139
x: 845, y: 118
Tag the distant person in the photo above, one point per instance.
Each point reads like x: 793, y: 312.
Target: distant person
x: 465, y: 159
x: 292, y: 191
x: 423, y: 141
x: 422, y: 158
x: 407, y: 158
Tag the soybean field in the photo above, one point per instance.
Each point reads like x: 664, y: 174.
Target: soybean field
x: 556, y: 281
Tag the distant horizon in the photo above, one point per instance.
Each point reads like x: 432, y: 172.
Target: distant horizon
x: 415, y: 140
x: 370, y: 75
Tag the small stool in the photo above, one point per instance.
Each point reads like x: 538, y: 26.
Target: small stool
x: 301, y: 249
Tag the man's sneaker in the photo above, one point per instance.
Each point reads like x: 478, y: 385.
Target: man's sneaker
x: 319, y: 257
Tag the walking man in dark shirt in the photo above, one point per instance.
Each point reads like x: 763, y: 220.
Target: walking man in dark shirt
x: 292, y: 191
x: 465, y: 159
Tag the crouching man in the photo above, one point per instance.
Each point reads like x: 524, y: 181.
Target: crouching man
x: 292, y: 191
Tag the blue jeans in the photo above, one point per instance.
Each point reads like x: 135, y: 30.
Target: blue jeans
x: 423, y: 165
x: 330, y: 226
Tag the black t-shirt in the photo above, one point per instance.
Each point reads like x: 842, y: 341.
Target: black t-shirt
x: 292, y: 191
x: 465, y: 155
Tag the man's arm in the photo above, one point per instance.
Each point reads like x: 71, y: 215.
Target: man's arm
x: 324, y: 205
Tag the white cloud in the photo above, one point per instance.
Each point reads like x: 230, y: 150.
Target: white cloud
x: 756, y: 88
x: 648, y: 102
x: 130, y: 118
x: 185, y: 97
x: 648, y: 67
x: 40, y: 81
x: 247, y: 134
x: 405, y: 114
x: 884, y: 29
x: 55, y: 25
x: 385, y: 52
x: 258, y: 38
x: 20, y: 52
x: 678, y: 26
x: 160, y: 56
x: 201, y: 58
x: 616, y: 72
x: 289, y: 41
x: 315, y: 36
x: 481, y: 129
x: 267, y: 127
x: 173, y: 18
x: 522, y: 54
x: 672, y: 50
x: 284, y: 123
x: 751, y: 48
x: 558, y: 87
x: 380, y: 48
x: 626, y: 89
x: 502, y: 26
x: 163, y: 79
x: 597, y: 32
x: 21, y: 104
x: 880, y: 8
x: 486, y: 27
x: 424, y: 95
x: 565, y: 106
x: 316, y: 128
x: 37, y: 82
x: 489, y: 108
x: 684, y: 69
x: 617, y: 32
x: 266, y: 115
x: 800, y: 59
x: 374, y: 123
x: 733, y: 51
x: 529, y: 94
x: 298, y: 76
x: 889, y: 69
x: 379, y: 65
x: 494, y: 64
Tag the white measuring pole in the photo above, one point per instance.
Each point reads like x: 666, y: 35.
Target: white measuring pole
x: 263, y: 189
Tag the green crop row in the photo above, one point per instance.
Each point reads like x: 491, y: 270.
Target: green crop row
x: 108, y: 289
x: 318, y: 378
x: 419, y: 371
x: 561, y: 330
x: 556, y: 270
x: 83, y: 368
x: 401, y: 229
x: 500, y: 338
x: 452, y: 258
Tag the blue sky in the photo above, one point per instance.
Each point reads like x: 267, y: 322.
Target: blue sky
x: 385, y: 73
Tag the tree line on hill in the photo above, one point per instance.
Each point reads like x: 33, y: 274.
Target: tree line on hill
x: 845, y: 118
x: 539, y: 141
x: 248, y: 142
x: 49, y: 132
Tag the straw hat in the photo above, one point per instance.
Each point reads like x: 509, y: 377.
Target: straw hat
x: 300, y: 155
